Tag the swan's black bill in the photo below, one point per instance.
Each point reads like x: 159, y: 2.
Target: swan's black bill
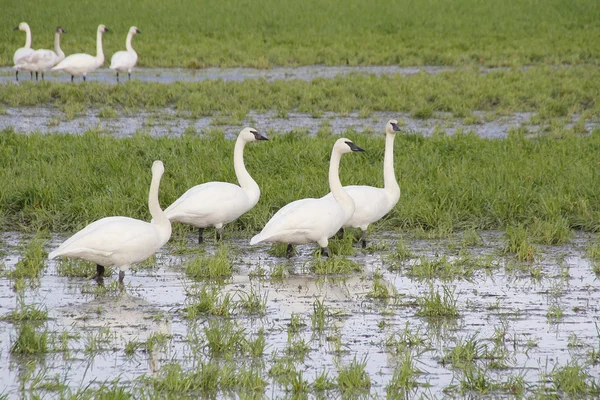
x: 258, y: 136
x: 396, y: 127
x: 354, y: 147
x: 16, y: 28
x: 106, y: 29
x: 138, y: 31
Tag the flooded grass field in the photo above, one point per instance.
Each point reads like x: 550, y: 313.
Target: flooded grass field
x: 410, y: 317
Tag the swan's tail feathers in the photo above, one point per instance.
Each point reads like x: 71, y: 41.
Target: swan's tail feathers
x: 256, y: 239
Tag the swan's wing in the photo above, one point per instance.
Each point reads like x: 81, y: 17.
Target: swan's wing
x: 107, y: 235
x: 123, y: 59
x: 206, y: 199
x: 41, y: 56
x: 74, y: 60
x: 21, y: 54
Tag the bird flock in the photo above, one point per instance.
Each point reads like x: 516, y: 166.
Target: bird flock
x: 80, y: 64
x: 122, y: 241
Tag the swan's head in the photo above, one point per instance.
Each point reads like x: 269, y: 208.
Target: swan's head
x: 158, y: 168
x: 133, y: 30
x: 251, y: 134
x: 22, y: 27
x: 103, y: 28
x: 344, y: 146
x: 392, y: 127
x: 60, y: 30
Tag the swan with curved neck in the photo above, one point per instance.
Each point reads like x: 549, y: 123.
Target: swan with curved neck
x: 121, y: 241
x: 22, y: 52
x: 218, y: 203
x: 313, y: 220
x: 123, y: 61
x: 42, y: 60
x: 371, y: 203
x: 81, y: 63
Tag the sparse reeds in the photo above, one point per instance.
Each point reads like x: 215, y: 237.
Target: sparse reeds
x: 219, y: 265
x: 353, y: 377
x: 435, y: 304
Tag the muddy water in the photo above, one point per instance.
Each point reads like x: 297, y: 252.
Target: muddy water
x: 170, y: 75
x: 490, y: 301
x: 171, y: 123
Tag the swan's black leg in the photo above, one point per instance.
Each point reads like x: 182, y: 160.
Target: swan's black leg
x: 290, y: 251
x: 363, y: 239
x: 36, y: 76
x: 31, y: 73
x: 219, y: 234
x: 117, y: 76
x: 17, y: 75
x: 42, y: 76
x: 325, y: 251
x: 99, y: 277
x: 200, y: 233
x: 72, y: 77
x: 129, y: 75
x: 84, y: 78
x: 340, y: 233
x: 121, y: 276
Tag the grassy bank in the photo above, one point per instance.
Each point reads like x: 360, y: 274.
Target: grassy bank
x: 263, y: 33
x: 62, y: 182
x: 551, y: 92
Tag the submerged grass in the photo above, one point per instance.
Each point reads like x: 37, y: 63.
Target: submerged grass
x: 448, y: 182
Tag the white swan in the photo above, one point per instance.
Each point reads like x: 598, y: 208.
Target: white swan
x: 313, y: 220
x: 125, y: 60
x: 371, y: 203
x: 81, y: 64
x: 42, y: 60
x: 22, y: 52
x: 218, y: 203
x: 121, y: 241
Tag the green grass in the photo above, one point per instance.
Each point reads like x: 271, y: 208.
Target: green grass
x: 450, y: 182
x: 219, y: 265
x: 264, y: 33
x: 573, y: 380
x: 333, y: 266
x: 27, y: 312
x: 30, y: 341
x: 32, y: 261
x: 353, y: 377
x: 438, y: 305
x: 208, y: 301
x: 546, y: 91
x: 404, y: 379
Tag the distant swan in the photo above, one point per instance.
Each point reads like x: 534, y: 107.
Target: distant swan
x: 218, y: 203
x: 22, y: 52
x: 121, y: 241
x: 42, y: 60
x: 81, y: 64
x: 125, y: 60
x: 371, y: 203
x: 313, y: 220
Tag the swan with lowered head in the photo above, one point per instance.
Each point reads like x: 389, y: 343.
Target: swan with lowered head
x: 22, y: 52
x: 218, y: 203
x: 81, y: 63
x: 313, y: 220
x: 371, y: 203
x: 121, y: 241
x: 42, y: 60
x: 125, y: 60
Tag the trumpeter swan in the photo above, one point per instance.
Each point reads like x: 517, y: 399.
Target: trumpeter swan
x: 125, y: 60
x: 42, y: 60
x: 22, y: 52
x: 313, y: 220
x: 218, y: 203
x: 371, y: 203
x: 81, y: 64
x: 121, y: 241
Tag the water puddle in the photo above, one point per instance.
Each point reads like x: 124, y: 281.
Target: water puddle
x: 506, y: 304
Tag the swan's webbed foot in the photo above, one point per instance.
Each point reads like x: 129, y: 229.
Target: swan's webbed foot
x: 121, y: 276
x: 340, y: 234
x: 200, y: 237
x: 289, y: 253
x: 325, y: 251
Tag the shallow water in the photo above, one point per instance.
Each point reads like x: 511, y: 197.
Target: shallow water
x: 171, y: 123
x: 492, y: 300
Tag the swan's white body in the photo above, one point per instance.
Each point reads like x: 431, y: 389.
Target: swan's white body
x: 22, y: 52
x: 214, y: 204
x: 81, y: 63
x: 42, y: 60
x: 124, y: 61
x: 121, y: 241
x: 313, y: 220
x: 371, y: 203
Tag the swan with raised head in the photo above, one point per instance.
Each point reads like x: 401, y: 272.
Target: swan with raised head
x: 313, y: 220
x: 42, y: 60
x: 123, y: 61
x: 22, y: 52
x: 81, y: 63
x: 121, y: 241
x: 218, y: 203
x: 371, y: 203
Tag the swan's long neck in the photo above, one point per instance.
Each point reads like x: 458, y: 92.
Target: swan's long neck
x: 335, y: 185
x: 389, y: 176
x: 57, y: 48
x: 28, y: 37
x: 128, y: 42
x: 99, y: 52
x: 244, y: 179
x: 158, y: 216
